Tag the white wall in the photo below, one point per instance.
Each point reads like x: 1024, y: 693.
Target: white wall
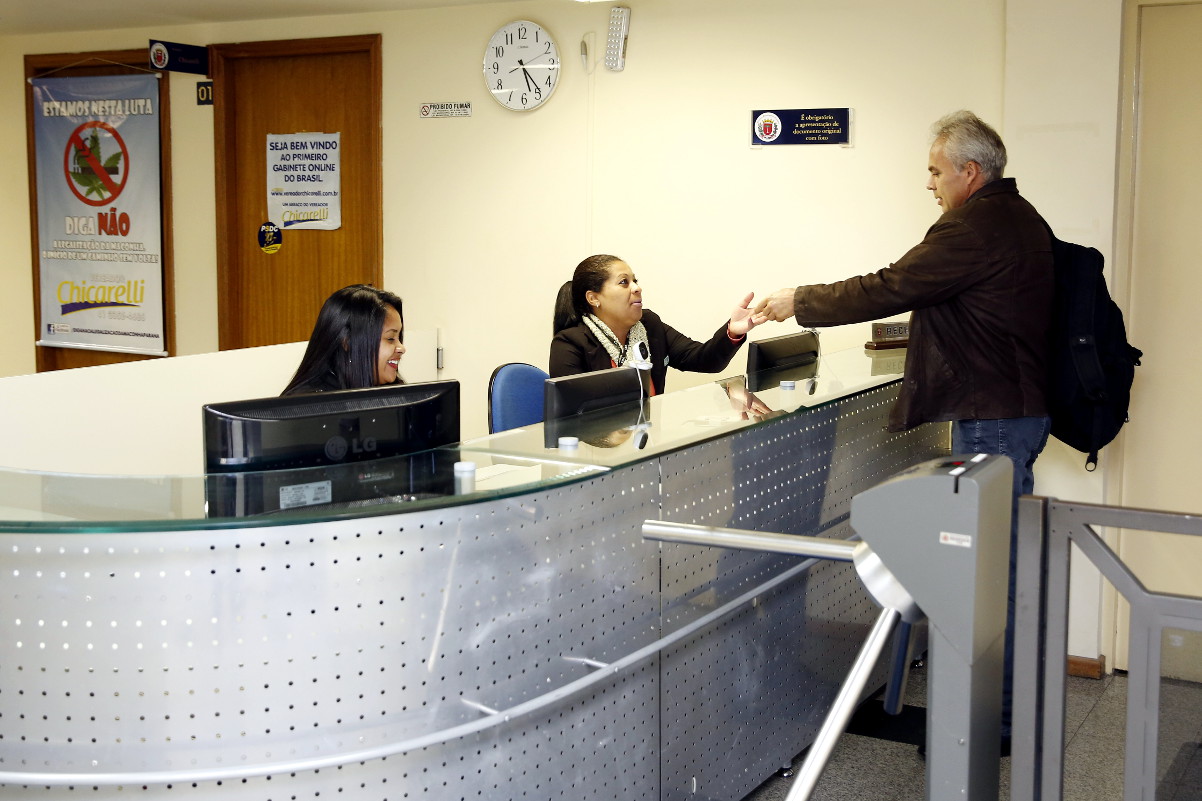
x: 135, y: 418
x: 1061, y: 131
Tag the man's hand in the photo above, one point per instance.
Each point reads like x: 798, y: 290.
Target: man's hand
x: 777, y: 307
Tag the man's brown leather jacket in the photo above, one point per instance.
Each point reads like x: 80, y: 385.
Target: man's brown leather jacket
x: 980, y: 289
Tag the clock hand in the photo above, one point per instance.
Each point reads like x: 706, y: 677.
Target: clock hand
x: 525, y: 74
x: 527, y: 63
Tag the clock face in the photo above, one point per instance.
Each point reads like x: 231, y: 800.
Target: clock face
x: 521, y: 65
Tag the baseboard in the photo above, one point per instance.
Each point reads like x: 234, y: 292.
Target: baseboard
x: 1085, y: 668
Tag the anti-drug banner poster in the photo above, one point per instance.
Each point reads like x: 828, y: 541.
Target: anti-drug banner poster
x: 96, y: 143
x: 304, y: 181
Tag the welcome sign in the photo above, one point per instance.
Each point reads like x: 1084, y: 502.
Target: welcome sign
x: 96, y: 146
x: 304, y: 180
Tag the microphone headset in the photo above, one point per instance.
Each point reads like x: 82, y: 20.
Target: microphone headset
x: 640, y: 359
x: 640, y: 435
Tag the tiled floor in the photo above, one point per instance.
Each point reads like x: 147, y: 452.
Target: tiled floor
x: 864, y: 767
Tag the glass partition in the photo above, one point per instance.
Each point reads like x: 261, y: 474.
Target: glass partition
x: 506, y: 463
x: 627, y: 434
x: 61, y: 502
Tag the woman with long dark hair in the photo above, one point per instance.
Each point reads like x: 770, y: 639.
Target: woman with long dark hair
x: 600, y: 322
x: 356, y: 342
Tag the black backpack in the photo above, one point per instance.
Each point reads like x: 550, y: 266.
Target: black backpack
x: 1092, y: 364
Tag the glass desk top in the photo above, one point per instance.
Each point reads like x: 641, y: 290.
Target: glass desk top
x: 624, y: 435
x: 506, y: 463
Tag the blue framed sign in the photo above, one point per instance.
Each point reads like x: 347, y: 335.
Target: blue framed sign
x: 801, y: 126
x: 176, y: 57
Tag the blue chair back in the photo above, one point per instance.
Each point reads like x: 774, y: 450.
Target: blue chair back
x: 515, y: 396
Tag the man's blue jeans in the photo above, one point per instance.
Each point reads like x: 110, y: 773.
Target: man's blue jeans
x: 1022, y: 439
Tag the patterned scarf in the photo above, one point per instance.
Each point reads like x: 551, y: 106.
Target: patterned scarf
x: 638, y: 333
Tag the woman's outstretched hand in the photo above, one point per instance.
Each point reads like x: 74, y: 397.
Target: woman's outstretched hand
x: 743, y: 319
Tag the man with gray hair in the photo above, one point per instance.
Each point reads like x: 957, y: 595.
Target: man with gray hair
x: 979, y: 289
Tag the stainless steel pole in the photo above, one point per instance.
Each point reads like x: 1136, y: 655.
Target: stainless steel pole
x: 690, y: 534
x: 845, y: 704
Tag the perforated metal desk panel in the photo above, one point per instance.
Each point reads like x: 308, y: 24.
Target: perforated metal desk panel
x: 522, y: 641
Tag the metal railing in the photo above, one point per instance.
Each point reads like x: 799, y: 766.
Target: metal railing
x: 1047, y: 528
x: 936, y: 534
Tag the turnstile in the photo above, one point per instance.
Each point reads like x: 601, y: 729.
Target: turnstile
x: 934, y: 542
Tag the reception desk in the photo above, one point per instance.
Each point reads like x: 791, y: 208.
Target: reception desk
x: 519, y: 640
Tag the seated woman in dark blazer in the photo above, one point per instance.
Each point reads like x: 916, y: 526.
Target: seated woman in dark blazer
x: 356, y: 342
x: 600, y: 322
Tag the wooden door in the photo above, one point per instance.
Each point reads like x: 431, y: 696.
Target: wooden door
x: 108, y: 62
x: 283, y: 87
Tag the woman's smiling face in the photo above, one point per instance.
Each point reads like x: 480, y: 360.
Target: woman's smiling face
x: 391, y: 348
x: 619, y: 304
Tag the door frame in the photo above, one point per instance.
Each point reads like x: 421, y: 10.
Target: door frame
x: 224, y: 135
x: 1114, y: 612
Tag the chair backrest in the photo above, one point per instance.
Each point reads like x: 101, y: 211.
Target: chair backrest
x: 515, y: 396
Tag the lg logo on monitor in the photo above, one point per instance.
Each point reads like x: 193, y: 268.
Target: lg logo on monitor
x: 338, y: 447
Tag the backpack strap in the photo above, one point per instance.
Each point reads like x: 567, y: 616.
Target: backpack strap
x: 1083, y: 348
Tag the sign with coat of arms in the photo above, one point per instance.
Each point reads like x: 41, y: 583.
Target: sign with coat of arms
x: 801, y: 126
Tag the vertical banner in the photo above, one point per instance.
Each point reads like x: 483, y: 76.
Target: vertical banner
x: 304, y: 181
x: 100, y: 241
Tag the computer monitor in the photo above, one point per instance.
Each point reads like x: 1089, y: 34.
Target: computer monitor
x: 272, y: 454
x: 610, y: 427
x: 572, y: 405
x: 791, y: 357
x: 587, y: 392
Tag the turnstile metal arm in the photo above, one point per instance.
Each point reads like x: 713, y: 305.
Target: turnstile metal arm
x: 845, y: 704
x: 742, y: 539
x: 899, y: 668
x: 898, y: 607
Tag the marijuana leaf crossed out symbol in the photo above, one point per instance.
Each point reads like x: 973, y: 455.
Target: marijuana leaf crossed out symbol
x: 92, y: 171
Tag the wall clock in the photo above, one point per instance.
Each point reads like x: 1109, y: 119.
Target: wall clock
x: 521, y: 65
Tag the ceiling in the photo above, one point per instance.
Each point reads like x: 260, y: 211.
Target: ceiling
x: 19, y: 17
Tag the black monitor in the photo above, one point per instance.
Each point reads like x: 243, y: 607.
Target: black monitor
x: 570, y: 403
x: 610, y: 427
x: 328, y: 448
x: 587, y: 392
x: 791, y: 357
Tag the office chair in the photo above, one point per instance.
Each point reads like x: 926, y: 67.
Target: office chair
x: 515, y: 396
